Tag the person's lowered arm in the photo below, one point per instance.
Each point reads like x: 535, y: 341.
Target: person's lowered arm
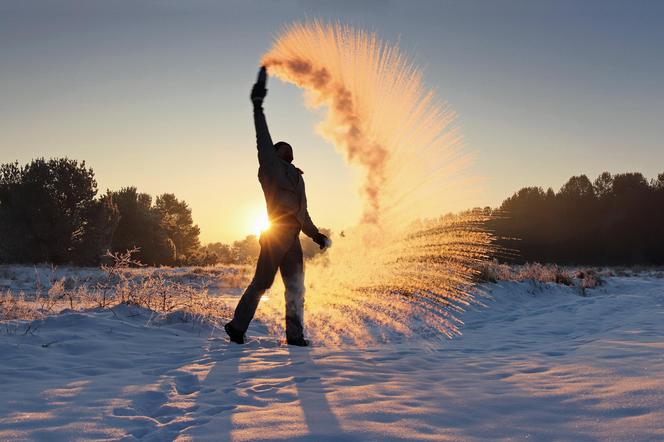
x: 310, y: 229
x: 267, y: 155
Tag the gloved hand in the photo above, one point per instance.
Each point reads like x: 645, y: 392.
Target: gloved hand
x: 259, y: 91
x: 322, y: 240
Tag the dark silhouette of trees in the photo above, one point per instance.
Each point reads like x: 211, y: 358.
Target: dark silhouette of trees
x: 246, y: 250
x: 140, y: 226
x: 176, y: 220
x: 48, y: 212
x: 617, y: 219
x: 216, y: 253
x: 100, y: 223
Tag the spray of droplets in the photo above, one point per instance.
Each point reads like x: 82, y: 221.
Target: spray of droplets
x: 396, y: 273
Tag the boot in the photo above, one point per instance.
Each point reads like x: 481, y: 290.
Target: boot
x: 300, y: 342
x: 233, y: 334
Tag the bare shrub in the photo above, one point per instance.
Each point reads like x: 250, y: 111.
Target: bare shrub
x: 14, y: 306
x: 589, y: 278
x: 493, y: 271
x: 150, y: 289
x: 237, y: 276
x: 544, y: 273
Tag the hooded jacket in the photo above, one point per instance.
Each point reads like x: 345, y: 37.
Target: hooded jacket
x: 282, y: 183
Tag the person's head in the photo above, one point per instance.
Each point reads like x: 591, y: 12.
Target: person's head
x: 284, y: 151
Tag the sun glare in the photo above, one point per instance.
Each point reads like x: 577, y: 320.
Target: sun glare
x: 261, y: 224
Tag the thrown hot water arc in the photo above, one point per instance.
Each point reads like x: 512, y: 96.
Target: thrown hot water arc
x: 398, y: 272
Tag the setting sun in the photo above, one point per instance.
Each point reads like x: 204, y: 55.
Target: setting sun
x: 260, y: 224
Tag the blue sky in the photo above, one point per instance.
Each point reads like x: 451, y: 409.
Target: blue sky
x: 154, y: 94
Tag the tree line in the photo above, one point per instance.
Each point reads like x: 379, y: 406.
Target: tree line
x: 50, y: 212
x: 613, y: 220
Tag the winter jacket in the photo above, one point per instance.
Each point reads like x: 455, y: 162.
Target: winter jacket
x: 282, y: 182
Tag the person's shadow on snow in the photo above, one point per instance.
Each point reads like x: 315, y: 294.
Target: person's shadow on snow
x: 321, y: 421
x: 243, y: 377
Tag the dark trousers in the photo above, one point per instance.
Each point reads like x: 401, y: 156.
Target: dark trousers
x: 280, y: 249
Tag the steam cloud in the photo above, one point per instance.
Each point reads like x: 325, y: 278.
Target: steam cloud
x: 345, y: 127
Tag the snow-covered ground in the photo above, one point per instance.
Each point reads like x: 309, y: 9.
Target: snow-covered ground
x: 540, y: 362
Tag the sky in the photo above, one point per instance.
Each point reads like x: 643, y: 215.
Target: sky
x: 154, y: 94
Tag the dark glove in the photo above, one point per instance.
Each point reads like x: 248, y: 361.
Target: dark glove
x: 322, y: 240
x: 259, y: 91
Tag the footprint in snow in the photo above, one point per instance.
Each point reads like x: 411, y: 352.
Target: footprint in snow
x: 186, y: 383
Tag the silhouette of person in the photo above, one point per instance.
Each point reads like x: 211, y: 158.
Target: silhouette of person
x: 286, y: 201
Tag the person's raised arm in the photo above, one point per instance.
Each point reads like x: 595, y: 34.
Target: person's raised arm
x: 266, y: 152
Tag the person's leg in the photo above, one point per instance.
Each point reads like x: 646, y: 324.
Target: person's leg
x: 273, y: 247
x: 292, y: 272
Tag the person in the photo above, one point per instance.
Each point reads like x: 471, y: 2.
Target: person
x: 280, y: 247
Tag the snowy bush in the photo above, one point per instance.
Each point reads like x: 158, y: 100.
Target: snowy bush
x: 586, y: 278
x: 493, y: 271
x: 153, y: 289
